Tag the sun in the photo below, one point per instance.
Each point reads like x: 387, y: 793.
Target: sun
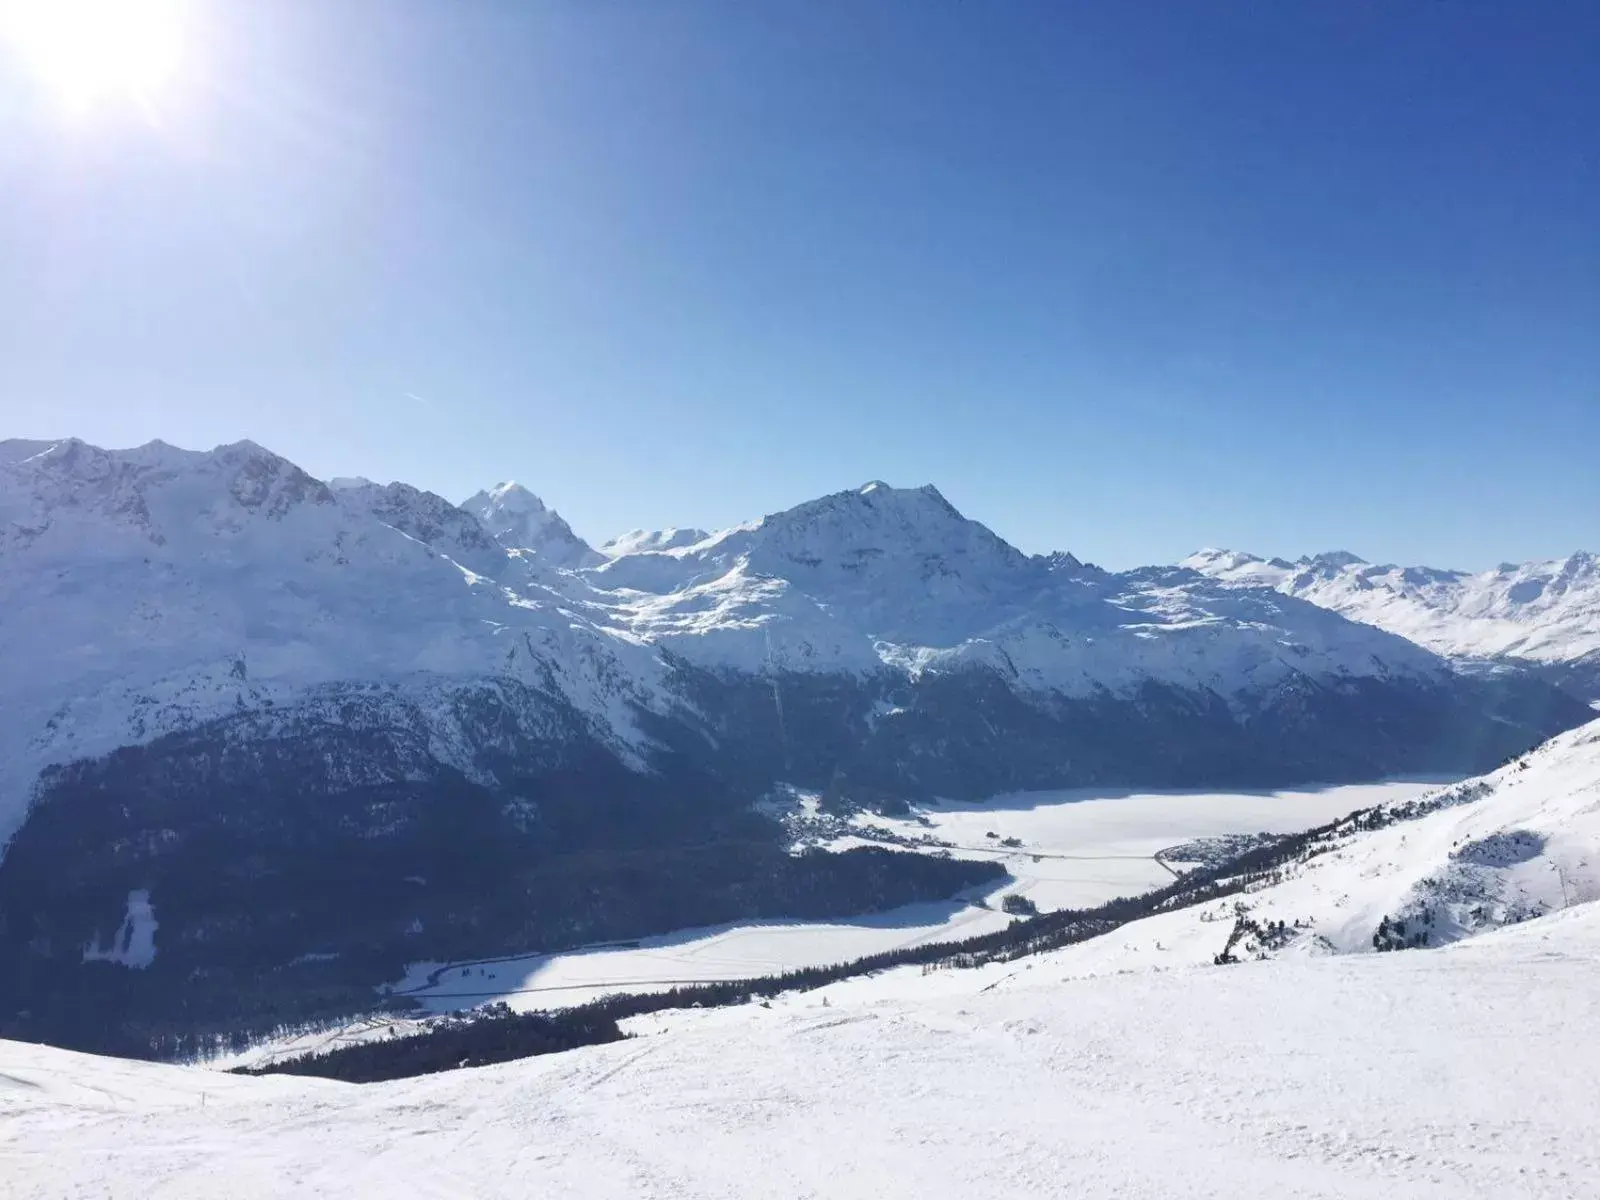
x: 90, y: 52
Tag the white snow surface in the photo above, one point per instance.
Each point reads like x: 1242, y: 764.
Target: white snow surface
x: 134, y: 943
x: 1435, y: 1075
x: 1548, y: 611
x: 147, y: 590
x: 741, y: 950
x: 643, y: 541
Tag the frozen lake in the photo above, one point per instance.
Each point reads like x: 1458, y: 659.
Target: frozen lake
x: 1075, y: 849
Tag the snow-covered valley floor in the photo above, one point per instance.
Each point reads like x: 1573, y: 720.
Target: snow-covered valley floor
x: 1467, y: 1071
x: 1075, y: 849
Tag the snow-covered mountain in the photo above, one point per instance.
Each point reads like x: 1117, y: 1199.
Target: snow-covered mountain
x: 897, y: 578
x: 1546, y: 612
x: 147, y: 591
x: 519, y: 521
x: 222, y: 668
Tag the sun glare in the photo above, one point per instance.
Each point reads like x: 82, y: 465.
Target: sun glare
x: 90, y: 52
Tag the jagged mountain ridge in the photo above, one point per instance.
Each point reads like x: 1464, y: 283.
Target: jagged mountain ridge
x: 148, y: 591
x: 155, y: 588
x: 881, y: 577
x: 640, y: 541
x: 1545, y: 612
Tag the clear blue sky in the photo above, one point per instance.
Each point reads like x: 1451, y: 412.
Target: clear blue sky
x: 1121, y: 278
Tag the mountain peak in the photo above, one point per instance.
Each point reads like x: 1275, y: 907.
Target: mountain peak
x: 1215, y: 560
x: 866, y: 530
x: 519, y: 520
x: 510, y: 497
x: 1332, y: 559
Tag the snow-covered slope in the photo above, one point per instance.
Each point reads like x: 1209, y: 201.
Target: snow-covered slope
x: 1437, y: 1076
x: 1496, y: 850
x: 1547, y: 611
x: 519, y: 521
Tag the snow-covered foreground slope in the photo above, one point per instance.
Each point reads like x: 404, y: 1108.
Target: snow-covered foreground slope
x: 1465, y: 1072
x: 1546, y: 611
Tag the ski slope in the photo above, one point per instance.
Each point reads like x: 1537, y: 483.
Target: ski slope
x: 1455, y: 1073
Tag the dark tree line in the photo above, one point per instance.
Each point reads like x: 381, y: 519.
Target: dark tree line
x: 495, y: 1035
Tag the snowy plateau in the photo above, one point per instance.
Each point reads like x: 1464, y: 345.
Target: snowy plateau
x: 271, y: 740
x: 1320, y: 1062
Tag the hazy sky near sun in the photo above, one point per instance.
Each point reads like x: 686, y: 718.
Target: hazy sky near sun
x: 1121, y: 278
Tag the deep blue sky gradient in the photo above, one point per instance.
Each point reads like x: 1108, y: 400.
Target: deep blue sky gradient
x: 1121, y: 278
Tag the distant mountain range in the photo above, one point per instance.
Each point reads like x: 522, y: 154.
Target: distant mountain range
x: 265, y: 706
x: 1544, y: 613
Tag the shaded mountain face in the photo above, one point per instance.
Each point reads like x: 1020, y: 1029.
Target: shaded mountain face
x: 268, y: 707
x: 1545, y: 614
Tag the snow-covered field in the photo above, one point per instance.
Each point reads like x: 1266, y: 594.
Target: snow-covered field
x: 1082, y: 847
x: 1462, y: 1072
x: 738, y: 951
x: 1077, y: 849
